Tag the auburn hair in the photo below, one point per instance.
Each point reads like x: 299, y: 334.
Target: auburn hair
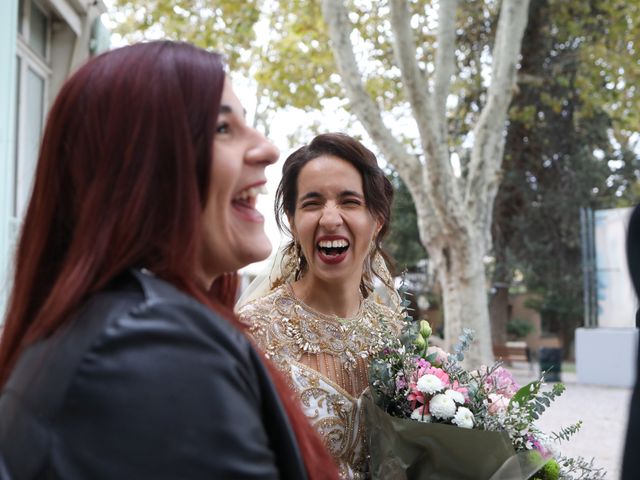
x: 121, y: 181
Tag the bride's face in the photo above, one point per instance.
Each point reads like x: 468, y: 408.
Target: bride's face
x: 331, y: 221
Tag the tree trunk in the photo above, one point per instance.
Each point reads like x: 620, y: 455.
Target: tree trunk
x: 502, y: 272
x: 454, y: 215
x: 499, y: 313
x: 463, y: 281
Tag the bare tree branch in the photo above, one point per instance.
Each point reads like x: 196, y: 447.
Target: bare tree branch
x: 441, y: 184
x: 364, y: 107
x: 445, y: 55
x: 413, y: 80
x: 454, y: 228
x: 486, y: 155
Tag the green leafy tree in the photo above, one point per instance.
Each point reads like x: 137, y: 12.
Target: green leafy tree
x: 206, y: 24
x: 403, y: 239
x: 558, y: 155
x: 396, y: 62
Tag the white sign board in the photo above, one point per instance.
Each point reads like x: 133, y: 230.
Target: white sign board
x: 617, y: 302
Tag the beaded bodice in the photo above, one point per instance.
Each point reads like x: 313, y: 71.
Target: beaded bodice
x: 326, y: 360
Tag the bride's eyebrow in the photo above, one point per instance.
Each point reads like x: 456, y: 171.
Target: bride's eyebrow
x: 351, y: 193
x: 309, y: 195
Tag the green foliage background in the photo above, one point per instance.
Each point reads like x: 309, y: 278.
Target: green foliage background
x: 572, y: 139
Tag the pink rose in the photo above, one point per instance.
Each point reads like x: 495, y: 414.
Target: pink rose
x: 441, y: 355
x: 463, y: 390
x: 497, y: 403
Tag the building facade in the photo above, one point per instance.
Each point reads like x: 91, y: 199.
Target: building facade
x: 41, y: 43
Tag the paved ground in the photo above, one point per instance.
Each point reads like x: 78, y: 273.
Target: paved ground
x: 603, y: 411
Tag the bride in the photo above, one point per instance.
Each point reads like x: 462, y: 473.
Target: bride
x: 318, y: 319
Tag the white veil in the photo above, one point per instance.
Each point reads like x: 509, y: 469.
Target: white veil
x: 269, y: 278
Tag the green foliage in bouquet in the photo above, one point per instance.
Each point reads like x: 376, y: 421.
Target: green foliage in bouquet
x: 578, y: 468
x: 535, y: 400
x: 414, y: 381
x: 550, y: 471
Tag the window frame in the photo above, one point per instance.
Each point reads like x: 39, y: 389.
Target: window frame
x: 27, y: 58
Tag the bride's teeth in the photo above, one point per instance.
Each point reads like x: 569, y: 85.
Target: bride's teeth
x: 333, y: 243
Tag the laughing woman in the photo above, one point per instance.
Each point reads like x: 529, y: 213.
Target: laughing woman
x: 117, y: 359
x: 319, y: 322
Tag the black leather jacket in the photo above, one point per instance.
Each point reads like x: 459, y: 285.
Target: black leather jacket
x: 145, y: 383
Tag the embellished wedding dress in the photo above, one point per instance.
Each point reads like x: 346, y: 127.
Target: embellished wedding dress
x: 326, y: 360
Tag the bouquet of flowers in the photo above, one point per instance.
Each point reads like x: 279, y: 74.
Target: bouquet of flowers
x: 428, y: 417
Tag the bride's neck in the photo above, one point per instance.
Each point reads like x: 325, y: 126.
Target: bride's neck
x: 329, y: 298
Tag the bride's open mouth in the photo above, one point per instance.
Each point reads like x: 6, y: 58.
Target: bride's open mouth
x: 332, y: 251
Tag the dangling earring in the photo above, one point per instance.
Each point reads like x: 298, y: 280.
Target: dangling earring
x: 366, y: 282
x: 298, y: 257
x: 290, y: 263
x: 293, y: 262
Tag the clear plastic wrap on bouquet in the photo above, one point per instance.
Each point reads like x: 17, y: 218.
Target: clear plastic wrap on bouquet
x: 402, y: 448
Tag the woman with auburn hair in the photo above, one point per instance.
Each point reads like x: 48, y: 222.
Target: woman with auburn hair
x: 118, y: 358
x: 318, y: 319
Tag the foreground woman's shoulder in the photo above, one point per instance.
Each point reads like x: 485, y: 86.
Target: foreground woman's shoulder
x: 143, y: 372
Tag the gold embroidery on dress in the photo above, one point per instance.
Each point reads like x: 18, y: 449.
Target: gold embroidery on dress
x: 326, y: 360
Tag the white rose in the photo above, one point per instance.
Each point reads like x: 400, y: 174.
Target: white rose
x: 463, y: 418
x: 429, y: 384
x: 442, y: 406
x: 455, y: 396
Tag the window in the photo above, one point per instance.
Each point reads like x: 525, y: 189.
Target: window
x: 32, y: 77
x: 38, y: 30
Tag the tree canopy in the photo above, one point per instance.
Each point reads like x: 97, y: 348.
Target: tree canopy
x: 561, y: 154
x: 431, y: 83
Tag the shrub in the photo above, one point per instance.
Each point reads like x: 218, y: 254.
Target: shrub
x: 520, y: 327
